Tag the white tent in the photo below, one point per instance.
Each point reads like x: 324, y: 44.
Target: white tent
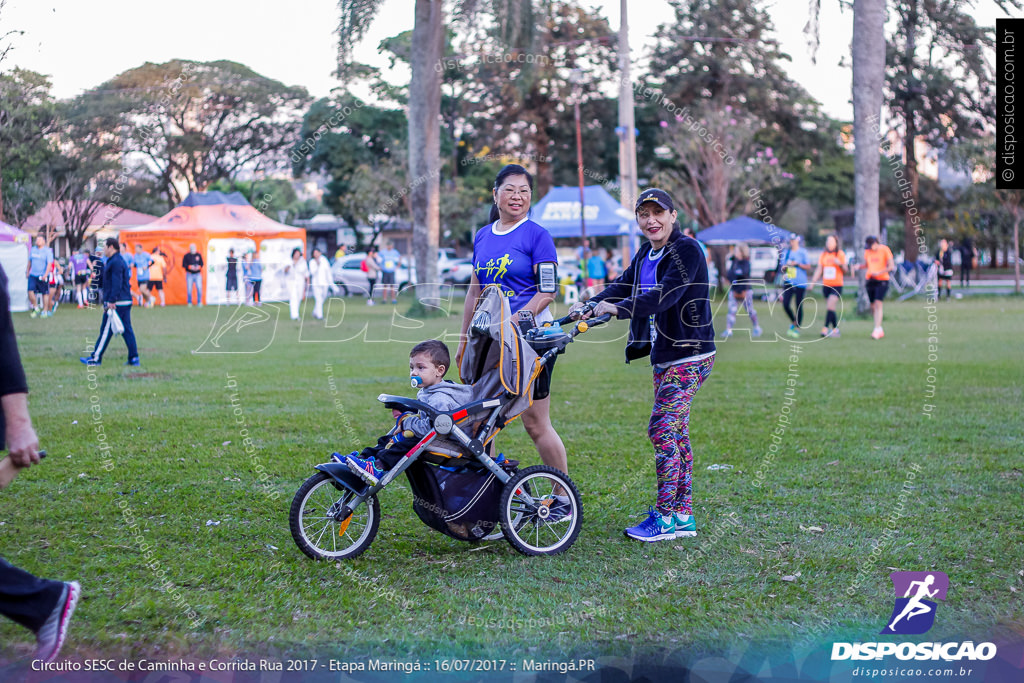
x: 14, y: 246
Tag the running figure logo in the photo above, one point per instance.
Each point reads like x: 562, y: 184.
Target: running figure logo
x: 496, y: 268
x: 914, y: 612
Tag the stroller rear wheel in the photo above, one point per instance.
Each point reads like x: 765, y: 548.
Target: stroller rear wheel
x: 318, y: 527
x: 533, y: 519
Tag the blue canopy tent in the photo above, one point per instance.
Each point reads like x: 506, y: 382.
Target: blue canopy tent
x: 559, y: 213
x: 743, y: 229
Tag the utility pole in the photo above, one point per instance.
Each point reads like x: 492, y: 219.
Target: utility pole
x: 576, y: 77
x: 627, y: 132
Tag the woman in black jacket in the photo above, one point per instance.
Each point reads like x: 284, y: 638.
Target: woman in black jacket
x: 664, y: 293
x: 738, y: 275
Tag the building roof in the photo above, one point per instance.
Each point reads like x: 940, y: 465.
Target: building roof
x: 107, y: 215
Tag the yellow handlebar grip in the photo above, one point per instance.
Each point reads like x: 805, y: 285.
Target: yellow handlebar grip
x: 583, y: 326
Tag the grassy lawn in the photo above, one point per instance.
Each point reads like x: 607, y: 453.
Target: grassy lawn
x: 784, y: 532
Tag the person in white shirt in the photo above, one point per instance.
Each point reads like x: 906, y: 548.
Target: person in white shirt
x: 322, y: 281
x: 296, y: 275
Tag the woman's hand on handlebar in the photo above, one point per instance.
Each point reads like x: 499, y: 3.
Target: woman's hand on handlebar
x: 604, y: 308
x: 580, y: 310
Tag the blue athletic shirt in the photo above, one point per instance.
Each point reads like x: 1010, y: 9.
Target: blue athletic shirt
x: 40, y: 258
x: 507, y: 258
x: 142, y: 263
x: 390, y: 260
x: 796, y: 277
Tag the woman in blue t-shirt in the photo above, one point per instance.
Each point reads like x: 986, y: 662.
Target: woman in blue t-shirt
x: 507, y: 252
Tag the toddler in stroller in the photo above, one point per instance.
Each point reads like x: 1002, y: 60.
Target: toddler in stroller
x: 428, y: 363
x: 458, y: 488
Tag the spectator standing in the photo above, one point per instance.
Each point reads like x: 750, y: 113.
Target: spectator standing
x: 117, y: 297
x: 390, y: 259
x: 39, y: 259
x: 968, y: 261
x: 193, y: 264
x: 596, y: 271
x: 944, y: 266
x: 231, y: 283
x: 42, y: 606
x: 297, y: 276
x: 321, y: 281
x: 256, y: 277
x: 371, y: 266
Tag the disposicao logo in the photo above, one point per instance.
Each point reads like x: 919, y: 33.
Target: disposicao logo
x: 913, y: 614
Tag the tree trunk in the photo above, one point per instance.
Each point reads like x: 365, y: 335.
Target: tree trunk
x: 425, y: 146
x: 909, y: 150
x: 910, y: 209
x: 1016, y: 250
x: 868, y: 78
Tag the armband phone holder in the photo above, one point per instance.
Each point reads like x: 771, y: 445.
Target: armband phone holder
x: 547, y: 278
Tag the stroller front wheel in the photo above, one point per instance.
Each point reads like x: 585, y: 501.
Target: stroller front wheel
x: 316, y: 525
x: 533, y: 518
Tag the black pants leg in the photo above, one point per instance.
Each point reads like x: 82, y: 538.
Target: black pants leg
x: 799, y: 296
x: 125, y: 314
x: 788, y: 294
x: 256, y: 290
x: 27, y: 599
x: 385, y: 457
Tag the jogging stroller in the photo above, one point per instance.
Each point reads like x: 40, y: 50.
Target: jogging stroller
x: 458, y: 488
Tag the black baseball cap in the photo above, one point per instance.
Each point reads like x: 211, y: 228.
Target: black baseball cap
x: 659, y: 197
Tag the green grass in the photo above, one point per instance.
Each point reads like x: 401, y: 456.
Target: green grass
x: 177, y: 462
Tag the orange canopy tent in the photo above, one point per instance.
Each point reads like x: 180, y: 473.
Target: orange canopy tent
x: 216, y: 222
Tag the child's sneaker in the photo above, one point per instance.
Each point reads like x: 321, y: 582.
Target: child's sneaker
x: 655, y: 528
x: 686, y: 525
x: 878, y: 333
x: 757, y: 332
x: 366, y: 469
x: 726, y: 334
x: 793, y: 332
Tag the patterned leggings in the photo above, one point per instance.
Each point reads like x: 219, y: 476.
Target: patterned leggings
x: 669, y: 431
x: 734, y: 305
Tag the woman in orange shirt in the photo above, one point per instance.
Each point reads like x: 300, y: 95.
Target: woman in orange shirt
x: 831, y: 266
x: 879, y: 263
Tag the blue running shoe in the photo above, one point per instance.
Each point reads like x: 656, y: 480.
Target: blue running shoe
x: 134, y: 361
x: 366, y: 469
x: 338, y: 457
x: 654, y: 528
x: 89, y: 360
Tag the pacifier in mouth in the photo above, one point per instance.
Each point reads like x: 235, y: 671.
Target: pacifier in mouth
x: 416, y: 382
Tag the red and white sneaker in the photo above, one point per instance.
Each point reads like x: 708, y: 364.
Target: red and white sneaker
x: 50, y: 637
x: 878, y: 333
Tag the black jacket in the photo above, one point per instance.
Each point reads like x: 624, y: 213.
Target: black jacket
x: 739, y: 274
x: 12, y: 376
x: 679, y: 302
x: 117, y: 279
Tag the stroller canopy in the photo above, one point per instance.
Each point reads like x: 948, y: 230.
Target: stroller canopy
x: 495, y: 359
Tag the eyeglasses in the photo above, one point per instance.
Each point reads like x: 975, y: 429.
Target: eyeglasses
x: 515, y: 192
